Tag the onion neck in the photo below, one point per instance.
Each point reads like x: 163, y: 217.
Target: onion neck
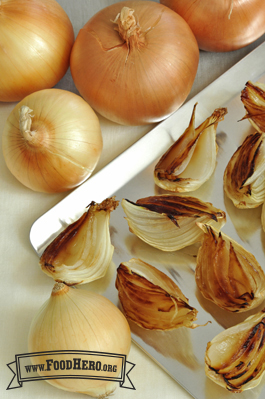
x: 59, y: 289
x: 128, y: 28
x: 25, y: 122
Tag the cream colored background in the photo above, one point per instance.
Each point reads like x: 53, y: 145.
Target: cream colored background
x: 23, y: 286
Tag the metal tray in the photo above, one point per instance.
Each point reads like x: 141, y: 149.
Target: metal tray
x: 180, y: 352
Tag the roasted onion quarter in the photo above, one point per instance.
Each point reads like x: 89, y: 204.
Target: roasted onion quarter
x: 191, y: 160
x: 244, y: 176
x: 235, y: 358
x: 253, y: 98
x: 151, y: 299
x: 227, y: 274
x: 83, y: 251
x: 168, y: 222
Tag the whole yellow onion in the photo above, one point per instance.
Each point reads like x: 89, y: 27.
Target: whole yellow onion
x: 222, y: 25
x: 74, y: 319
x: 135, y: 62
x: 52, y: 140
x: 36, y: 38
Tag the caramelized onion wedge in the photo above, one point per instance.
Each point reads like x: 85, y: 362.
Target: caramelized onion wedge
x: 83, y: 251
x: 168, y: 222
x: 227, y: 274
x: 244, y: 176
x: 235, y: 358
x: 191, y: 160
x: 253, y: 98
x: 151, y: 299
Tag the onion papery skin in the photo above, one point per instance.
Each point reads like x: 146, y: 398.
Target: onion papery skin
x: 224, y: 25
x: 36, y: 38
x: 141, y: 84
x: 78, y: 320
x: 65, y: 146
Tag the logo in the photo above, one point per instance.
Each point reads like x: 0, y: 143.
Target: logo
x: 70, y: 364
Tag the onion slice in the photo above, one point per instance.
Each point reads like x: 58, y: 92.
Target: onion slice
x: 168, y: 222
x: 235, y: 358
x: 191, y: 160
x: 227, y: 274
x: 83, y: 251
x: 151, y: 299
x: 244, y: 176
x: 253, y: 98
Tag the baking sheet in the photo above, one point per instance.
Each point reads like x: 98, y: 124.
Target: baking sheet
x: 180, y: 352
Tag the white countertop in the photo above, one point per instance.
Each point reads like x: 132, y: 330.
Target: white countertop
x: 24, y: 287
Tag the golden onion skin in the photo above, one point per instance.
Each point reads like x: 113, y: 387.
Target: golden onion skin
x: 235, y: 358
x: 135, y: 84
x: 227, y: 274
x: 60, y: 144
x: 36, y: 39
x: 75, y: 319
x: 225, y: 25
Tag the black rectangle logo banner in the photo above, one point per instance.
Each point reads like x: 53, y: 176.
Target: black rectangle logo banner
x: 70, y: 364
